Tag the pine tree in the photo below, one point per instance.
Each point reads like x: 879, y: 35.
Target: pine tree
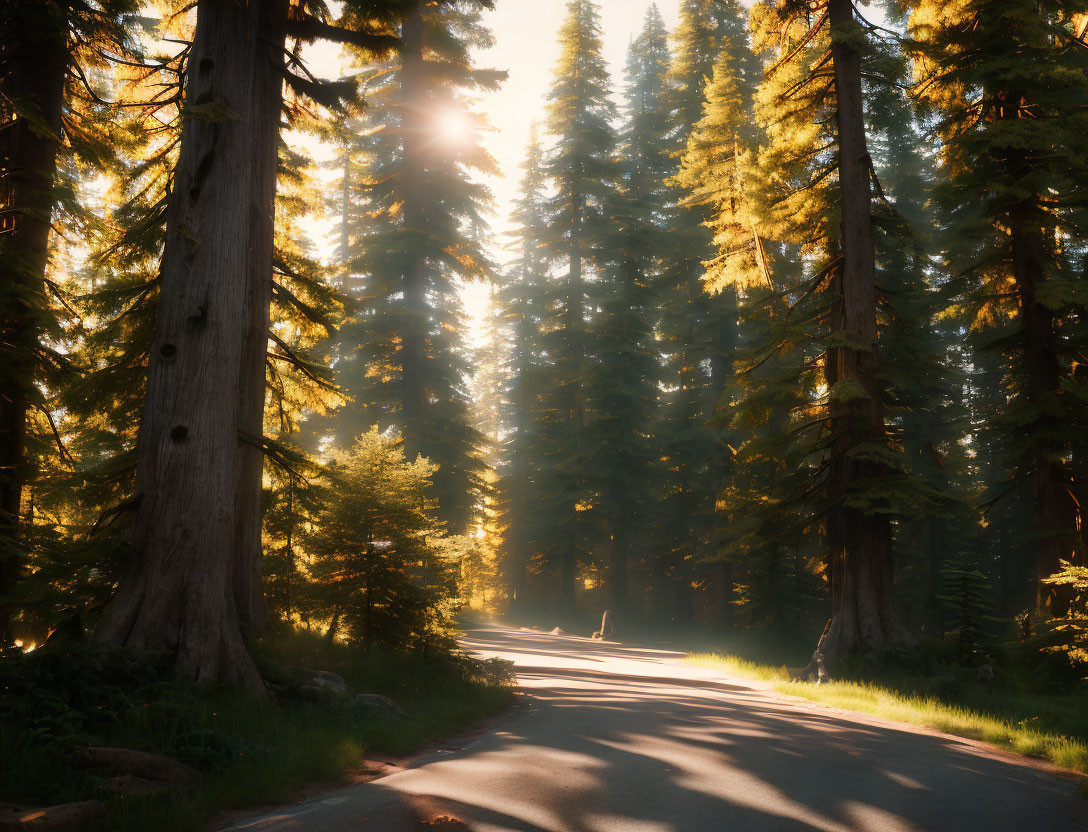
x: 379, y: 566
x: 1007, y: 80
x: 621, y: 382
x: 50, y: 127
x: 193, y: 580
x: 697, y: 330
x: 415, y: 193
x: 582, y: 170
x: 832, y: 458
x: 521, y: 303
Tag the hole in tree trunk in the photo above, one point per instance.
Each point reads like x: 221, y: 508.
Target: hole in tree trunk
x: 168, y: 351
x: 180, y: 433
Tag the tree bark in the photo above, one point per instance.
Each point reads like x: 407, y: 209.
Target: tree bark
x: 180, y: 592
x: 268, y: 91
x: 865, y: 614
x: 1055, y: 508
x: 32, y: 78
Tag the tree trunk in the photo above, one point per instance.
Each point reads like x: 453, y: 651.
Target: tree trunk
x: 413, y: 130
x: 516, y: 531
x: 1054, y: 506
x: 937, y: 528
x: 32, y: 77
x: 618, y: 559
x: 723, y: 596
x: 189, y: 564
x: 268, y: 91
x: 865, y: 614
x: 573, y: 399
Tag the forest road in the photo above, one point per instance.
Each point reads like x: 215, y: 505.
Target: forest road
x: 628, y: 739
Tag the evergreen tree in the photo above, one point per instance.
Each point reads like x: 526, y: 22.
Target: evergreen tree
x: 621, y: 382
x: 193, y: 580
x: 582, y: 171
x: 521, y: 303
x: 379, y: 566
x: 832, y: 460
x: 51, y: 126
x: 696, y: 330
x: 1007, y: 80
x: 410, y: 207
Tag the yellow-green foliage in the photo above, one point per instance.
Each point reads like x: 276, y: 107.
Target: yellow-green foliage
x: 927, y: 712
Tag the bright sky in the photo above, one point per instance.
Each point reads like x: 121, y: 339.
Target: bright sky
x: 525, y: 45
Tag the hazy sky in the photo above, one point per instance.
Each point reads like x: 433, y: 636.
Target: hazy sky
x: 525, y: 34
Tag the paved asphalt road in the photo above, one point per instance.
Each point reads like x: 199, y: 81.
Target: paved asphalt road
x: 626, y: 739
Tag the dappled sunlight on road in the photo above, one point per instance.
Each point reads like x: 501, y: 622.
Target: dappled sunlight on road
x: 630, y: 739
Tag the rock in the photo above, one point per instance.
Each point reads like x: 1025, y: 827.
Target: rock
x: 68, y: 817
x: 331, y: 682
x: 383, y: 705
x: 986, y: 673
x: 139, y: 764
x: 559, y: 631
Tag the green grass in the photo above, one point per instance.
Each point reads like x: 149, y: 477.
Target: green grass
x: 251, y: 752
x: 1054, y: 728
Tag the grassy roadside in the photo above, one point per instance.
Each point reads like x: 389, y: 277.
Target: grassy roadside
x: 1054, y: 728
x: 250, y: 752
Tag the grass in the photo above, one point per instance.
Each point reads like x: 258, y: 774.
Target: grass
x: 251, y: 752
x: 1053, y: 728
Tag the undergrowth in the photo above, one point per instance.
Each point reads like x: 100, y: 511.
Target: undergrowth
x: 250, y: 751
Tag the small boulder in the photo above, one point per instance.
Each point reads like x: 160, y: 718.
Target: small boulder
x: 559, y: 631
x: 382, y: 705
x: 68, y: 817
x: 139, y: 764
x: 331, y: 682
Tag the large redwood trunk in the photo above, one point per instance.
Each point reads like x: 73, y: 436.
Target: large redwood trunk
x: 196, y: 465
x: 268, y: 102
x: 32, y: 76
x: 1056, y: 515
x: 865, y: 614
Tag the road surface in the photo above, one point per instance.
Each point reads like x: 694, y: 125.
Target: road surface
x: 626, y: 739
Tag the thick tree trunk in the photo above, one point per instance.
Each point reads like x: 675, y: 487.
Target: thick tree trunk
x: 179, y: 592
x: 268, y: 91
x: 1055, y: 507
x: 865, y: 614
x: 413, y: 344
x: 32, y: 77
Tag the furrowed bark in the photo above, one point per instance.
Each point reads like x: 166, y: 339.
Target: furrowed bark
x: 178, y: 594
x: 268, y: 94
x: 32, y: 80
x: 1055, y: 507
x: 865, y: 614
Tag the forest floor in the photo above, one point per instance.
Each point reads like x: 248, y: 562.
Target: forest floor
x: 251, y: 753
x: 615, y: 738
